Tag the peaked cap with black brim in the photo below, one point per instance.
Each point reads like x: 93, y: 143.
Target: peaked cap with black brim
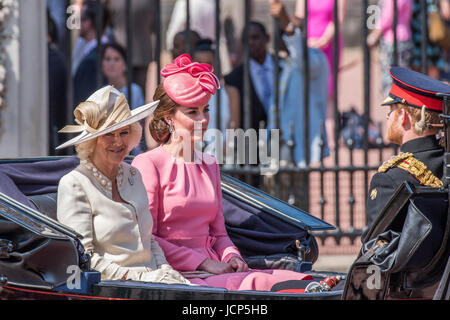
x: 416, y: 90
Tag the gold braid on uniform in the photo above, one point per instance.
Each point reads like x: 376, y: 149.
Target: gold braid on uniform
x: 415, y: 167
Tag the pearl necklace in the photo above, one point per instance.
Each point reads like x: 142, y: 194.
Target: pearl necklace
x: 100, y: 177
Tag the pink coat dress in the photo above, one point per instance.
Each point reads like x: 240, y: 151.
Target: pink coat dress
x: 185, y: 200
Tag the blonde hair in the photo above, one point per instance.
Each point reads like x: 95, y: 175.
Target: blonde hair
x: 159, y: 128
x: 85, y: 149
x: 88, y: 112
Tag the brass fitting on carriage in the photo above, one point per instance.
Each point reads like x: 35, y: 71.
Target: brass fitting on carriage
x: 325, y: 285
x: 302, y: 251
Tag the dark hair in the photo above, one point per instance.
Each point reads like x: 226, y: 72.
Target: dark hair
x: 194, y: 38
x: 193, y: 34
x: 52, y: 31
x: 258, y: 25
x: 204, y: 45
x: 115, y: 46
x: 91, y: 13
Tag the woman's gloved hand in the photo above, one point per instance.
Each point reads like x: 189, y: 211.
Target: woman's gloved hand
x: 164, y: 274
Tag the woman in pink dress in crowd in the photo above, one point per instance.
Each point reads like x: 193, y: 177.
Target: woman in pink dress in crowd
x: 321, y: 30
x: 183, y: 186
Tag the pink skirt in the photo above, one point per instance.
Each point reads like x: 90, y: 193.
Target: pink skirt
x: 329, y: 52
x: 262, y: 280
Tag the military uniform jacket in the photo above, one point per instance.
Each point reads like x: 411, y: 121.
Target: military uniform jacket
x: 391, y: 175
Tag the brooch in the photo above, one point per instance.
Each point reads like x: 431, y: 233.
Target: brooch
x: 133, y: 173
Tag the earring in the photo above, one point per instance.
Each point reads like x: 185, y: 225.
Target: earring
x: 171, y: 128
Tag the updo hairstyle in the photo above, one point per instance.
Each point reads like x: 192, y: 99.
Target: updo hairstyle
x: 159, y: 128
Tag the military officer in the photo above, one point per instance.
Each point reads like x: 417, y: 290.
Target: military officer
x: 413, y: 122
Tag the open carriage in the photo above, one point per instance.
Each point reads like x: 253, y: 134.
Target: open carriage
x: 406, y: 255
x: 42, y: 259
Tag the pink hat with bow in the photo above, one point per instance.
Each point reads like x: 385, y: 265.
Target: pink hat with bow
x: 189, y: 84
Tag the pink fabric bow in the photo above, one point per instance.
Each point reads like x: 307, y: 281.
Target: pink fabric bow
x: 202, y: 71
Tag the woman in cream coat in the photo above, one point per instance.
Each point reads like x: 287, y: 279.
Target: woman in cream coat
x: 104, y: 198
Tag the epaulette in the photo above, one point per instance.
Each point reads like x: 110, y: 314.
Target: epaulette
x: 392, y: 162
x: 416, y: 168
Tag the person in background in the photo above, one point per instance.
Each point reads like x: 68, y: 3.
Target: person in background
x: 178, y: 48
x: 85, y: 71
x: 261, y: 80
x: 104, y: 199
x: 57, y: 11
x: 179, y: 42
x: 142, y: 21
x: 262, y: 72
x: 384, y: 35
x: 434, y: 53
x: 321, y: 32
x: 114, y: 69
x: 291, y: 90
x: 57, y: 89
x: 202, y: 20
x: 204, y: 53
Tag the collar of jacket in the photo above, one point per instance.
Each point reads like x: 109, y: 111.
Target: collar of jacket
x: 421, y: 144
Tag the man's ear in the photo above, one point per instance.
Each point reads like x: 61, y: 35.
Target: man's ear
x: 405, y: 118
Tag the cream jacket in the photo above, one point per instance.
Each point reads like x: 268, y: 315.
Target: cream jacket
x: 117, y: 235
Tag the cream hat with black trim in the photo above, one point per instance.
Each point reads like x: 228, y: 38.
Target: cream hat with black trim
x: 109, y: 111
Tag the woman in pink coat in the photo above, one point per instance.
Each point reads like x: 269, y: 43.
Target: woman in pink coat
x: 183, y: 186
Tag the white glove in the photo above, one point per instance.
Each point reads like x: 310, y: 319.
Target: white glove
x: 165, y: 266
x: 165, y: 274
x: 173, y: 276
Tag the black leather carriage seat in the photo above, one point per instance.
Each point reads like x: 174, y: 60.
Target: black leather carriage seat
x: 45, y: 204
